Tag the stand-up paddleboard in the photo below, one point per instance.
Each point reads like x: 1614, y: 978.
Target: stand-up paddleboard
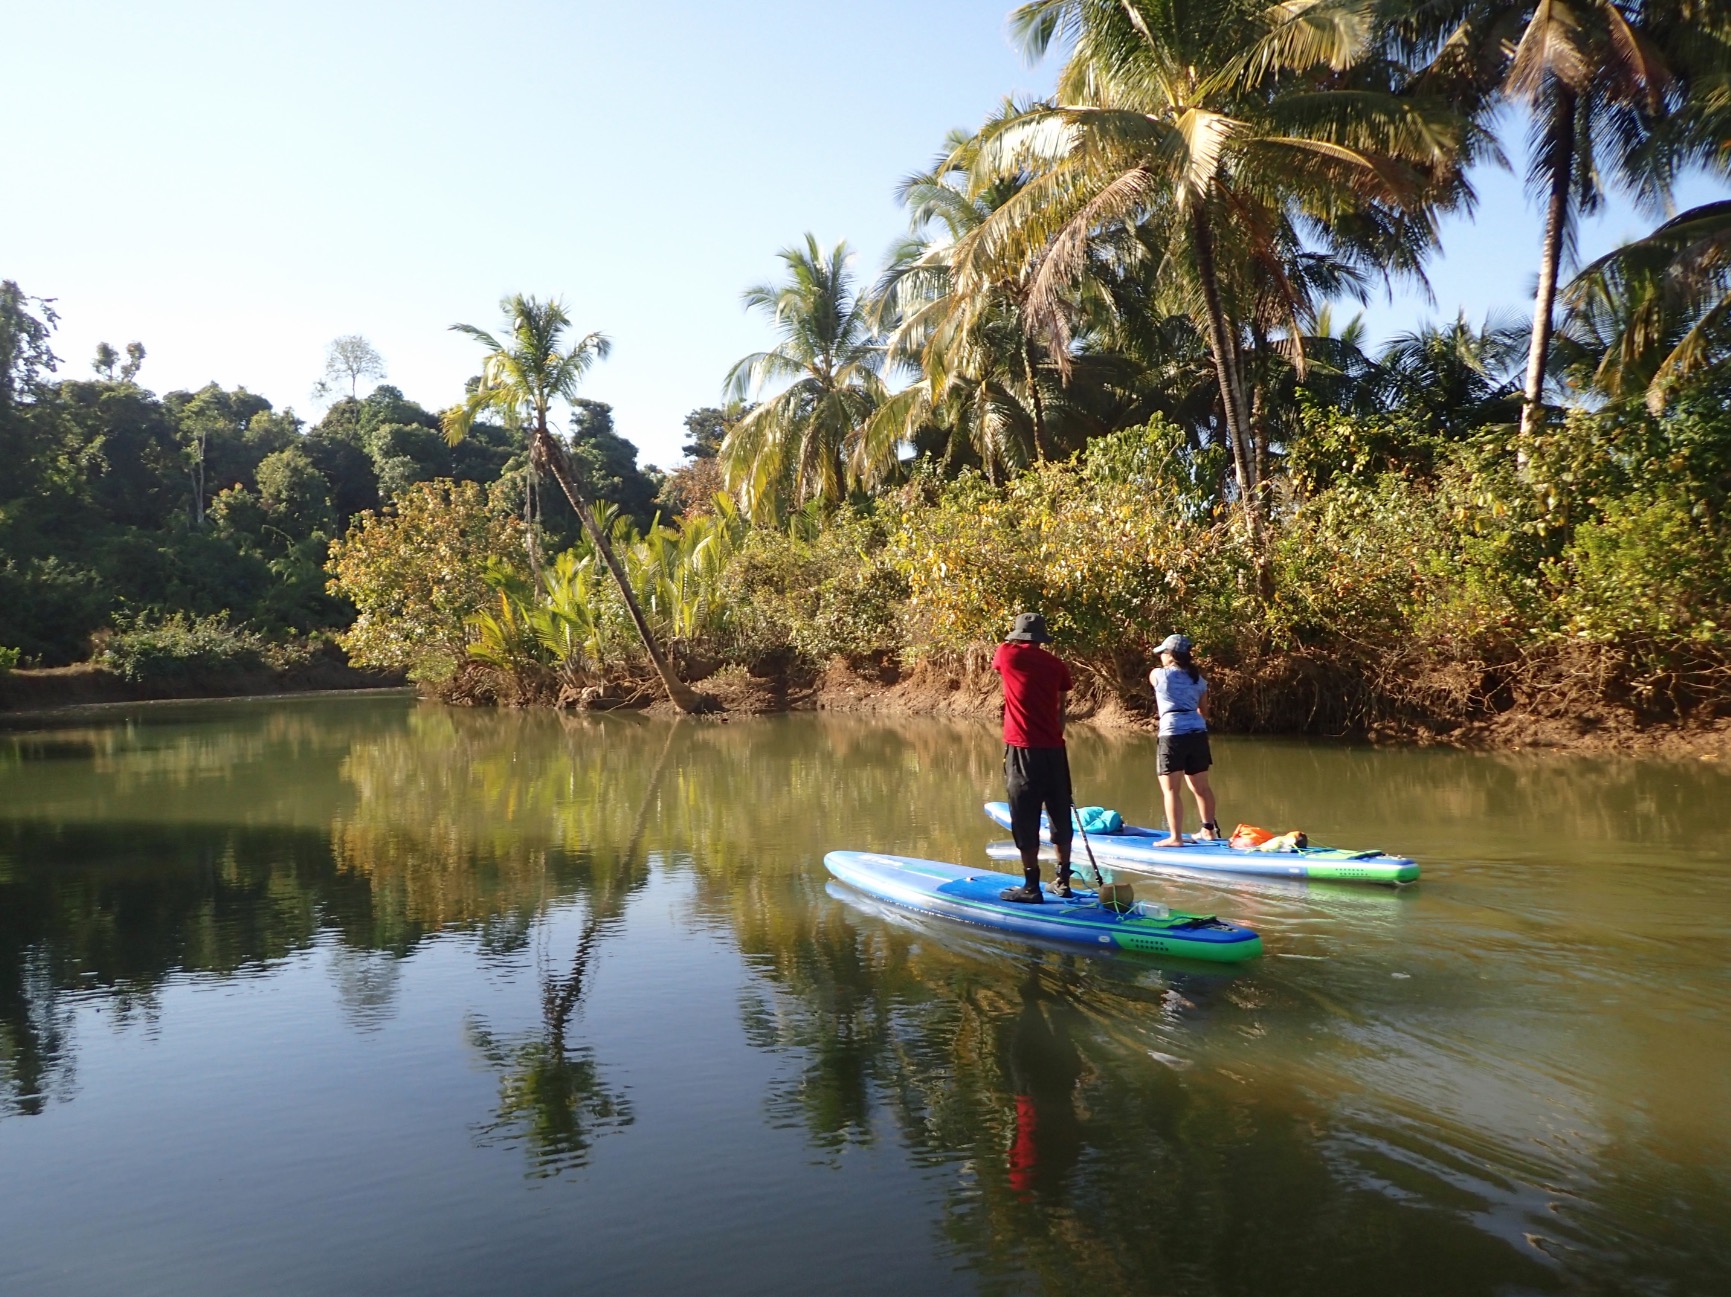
x: 971, y: 895
x: 1134, y: 846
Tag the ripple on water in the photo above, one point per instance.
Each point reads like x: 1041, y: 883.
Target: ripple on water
x: 349, y: 996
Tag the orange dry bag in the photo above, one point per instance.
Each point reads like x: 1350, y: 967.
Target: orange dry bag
x: 1247, y: 837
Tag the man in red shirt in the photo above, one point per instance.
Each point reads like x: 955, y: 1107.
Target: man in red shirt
x: 1036, y: 767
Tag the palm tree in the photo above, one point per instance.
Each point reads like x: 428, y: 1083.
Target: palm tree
x: 982, y: 382
x: 1587, y: 73
x: 1455, y: 377
x: 1657, y: 311
x: 799, y: 444
x: 1239, y: 136
x: 521, y: 379
x: 1606, y: 84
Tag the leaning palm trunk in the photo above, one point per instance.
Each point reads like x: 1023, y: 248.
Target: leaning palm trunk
x: 1561, y: 147
x: 683, y: 696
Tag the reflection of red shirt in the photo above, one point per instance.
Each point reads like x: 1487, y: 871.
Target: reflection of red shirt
x: 1024, y: 1152
x: 1034, y: 685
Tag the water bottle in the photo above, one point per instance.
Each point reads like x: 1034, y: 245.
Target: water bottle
x: 1153, y: 910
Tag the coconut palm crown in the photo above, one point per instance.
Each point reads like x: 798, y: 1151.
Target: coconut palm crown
x: 522, y: 377
x: 1657, y: 312
x: 797, y: 445
x: 1239, y: 136
x: 1612, y: 91
x: 983, y: 387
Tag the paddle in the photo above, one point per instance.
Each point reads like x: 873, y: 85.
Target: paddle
x: 1114, y: 896
x: 1076, y: 814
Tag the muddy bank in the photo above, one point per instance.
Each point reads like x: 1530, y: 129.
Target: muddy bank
x: 1242, y: 705
x: 1293, y: 697
x: 51, y: 687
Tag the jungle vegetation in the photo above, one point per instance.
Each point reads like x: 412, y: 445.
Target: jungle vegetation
x: 1113, y: 372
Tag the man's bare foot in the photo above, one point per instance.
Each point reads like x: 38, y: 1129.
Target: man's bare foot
x: 1208, y: 833
x: 1171, y: 842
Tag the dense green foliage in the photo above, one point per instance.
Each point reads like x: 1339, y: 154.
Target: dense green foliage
x: 118, y: 505
x: 1428, y: 581
x: 1106, y: 375
x: 183, y: 648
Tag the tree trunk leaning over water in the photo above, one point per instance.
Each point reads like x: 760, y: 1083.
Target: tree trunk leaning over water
x: 521, y: 378
x: 683, y: 696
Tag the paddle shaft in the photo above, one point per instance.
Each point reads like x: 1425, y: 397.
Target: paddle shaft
x: 1099, y: 878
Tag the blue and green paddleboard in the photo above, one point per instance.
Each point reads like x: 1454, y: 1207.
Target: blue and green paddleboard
x: 971, y: 895
x: 1134, y: 847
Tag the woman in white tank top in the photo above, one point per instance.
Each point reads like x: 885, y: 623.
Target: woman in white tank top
x: 1182, y: 695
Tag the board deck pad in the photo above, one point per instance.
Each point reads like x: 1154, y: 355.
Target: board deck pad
x: 1134, y: 846
x: 971, y: 896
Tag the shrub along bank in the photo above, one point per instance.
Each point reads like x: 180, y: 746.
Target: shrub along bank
x: 1401, y: 586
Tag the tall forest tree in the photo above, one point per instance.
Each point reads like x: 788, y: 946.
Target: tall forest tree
x: 109, y: 366
x: 349, y: 359
x: 26, y: 324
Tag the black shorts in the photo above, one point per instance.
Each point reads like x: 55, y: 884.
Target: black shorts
x: 1184, y: 754
x: 1038, y: 779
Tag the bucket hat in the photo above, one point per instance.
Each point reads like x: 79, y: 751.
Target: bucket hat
x: 1029, y: 628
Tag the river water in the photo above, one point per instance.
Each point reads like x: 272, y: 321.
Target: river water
x: 365, y: 995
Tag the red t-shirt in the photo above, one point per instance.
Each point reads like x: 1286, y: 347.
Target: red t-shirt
x: 1034, y: 685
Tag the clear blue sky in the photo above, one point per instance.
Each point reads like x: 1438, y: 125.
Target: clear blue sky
x: 236, y: 184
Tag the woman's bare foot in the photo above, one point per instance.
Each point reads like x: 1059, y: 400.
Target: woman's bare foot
x: 1171, y: 842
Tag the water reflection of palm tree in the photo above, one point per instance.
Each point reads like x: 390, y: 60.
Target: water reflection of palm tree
x: 552, y: 1097
x: 36, y: 1057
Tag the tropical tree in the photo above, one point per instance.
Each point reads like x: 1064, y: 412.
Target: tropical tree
x: 111, y: 368
x: 1454, y: 377
x: 981, y: 379
x: 415, y: 576
x: 799, y: 443
x: 1607, y: 86
x: 1657, y: 312
x: 521, y: 379
x: 1598, y: 82
x: 349, y: 359
x: 26, y: 324
x: 1237, y: 137
x: 680, y: 569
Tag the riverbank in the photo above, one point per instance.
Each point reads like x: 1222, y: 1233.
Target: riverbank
x: 968, y: 688
x: 47, y: 688
x: 962, y: 688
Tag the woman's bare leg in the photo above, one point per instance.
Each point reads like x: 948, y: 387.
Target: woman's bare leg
x: 1171, y: 787
x: 1204, y: 796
